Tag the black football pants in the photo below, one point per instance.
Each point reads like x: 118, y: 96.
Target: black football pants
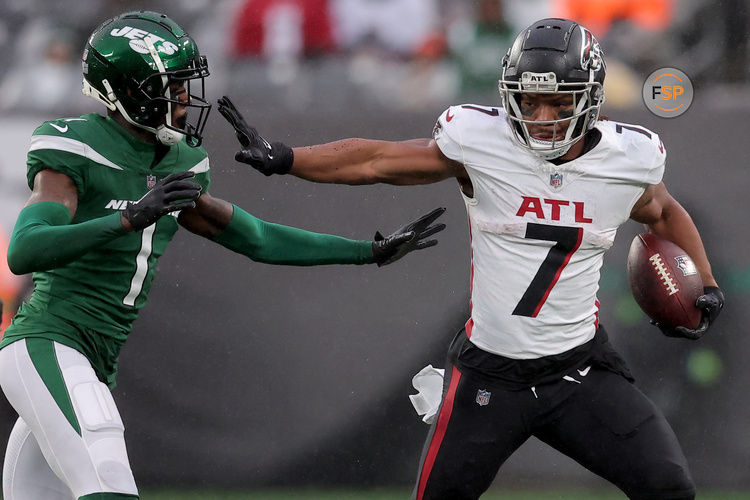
x: 596, y: 417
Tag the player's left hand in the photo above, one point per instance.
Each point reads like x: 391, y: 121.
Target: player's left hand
x: 171, y: 194
x: 267, y: 158
x: 711, y: 302
x: 406, y: 239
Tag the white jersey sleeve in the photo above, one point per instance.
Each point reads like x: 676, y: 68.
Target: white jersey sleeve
x: 642, y: 146
x: 448, y: 138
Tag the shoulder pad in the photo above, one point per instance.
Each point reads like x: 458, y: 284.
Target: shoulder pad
x: 640, y: 145
x: 64, y: 127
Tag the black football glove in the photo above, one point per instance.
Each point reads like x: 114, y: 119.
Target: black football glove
x: 170, y: 194
x: 269, y: 159
x: 406, y: 239
x: 711, y: 303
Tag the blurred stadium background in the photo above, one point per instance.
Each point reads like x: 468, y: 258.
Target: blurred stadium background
x: 240, y: 376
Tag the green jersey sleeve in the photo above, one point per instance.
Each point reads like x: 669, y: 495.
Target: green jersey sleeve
x: 54, y: 145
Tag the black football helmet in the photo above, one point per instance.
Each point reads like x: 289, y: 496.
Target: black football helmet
x: 554, y: 56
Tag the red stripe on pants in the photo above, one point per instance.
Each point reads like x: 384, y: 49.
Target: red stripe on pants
x: 437, y: 438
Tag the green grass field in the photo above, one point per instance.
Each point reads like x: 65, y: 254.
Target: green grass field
x: 303, y: 494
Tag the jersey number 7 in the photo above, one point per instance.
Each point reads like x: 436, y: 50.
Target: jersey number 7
x: 567, y: 240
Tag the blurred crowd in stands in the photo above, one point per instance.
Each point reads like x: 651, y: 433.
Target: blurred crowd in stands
x: 404, y: 53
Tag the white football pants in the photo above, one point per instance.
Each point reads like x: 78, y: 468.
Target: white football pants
x: 69, y: 439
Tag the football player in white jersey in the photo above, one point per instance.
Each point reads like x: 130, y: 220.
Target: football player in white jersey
x: 546, y: 183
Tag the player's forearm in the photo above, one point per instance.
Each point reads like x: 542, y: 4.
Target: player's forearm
x: 277, y: 244
x: 349, y: 161
x: 677, y: 226
x: 364, y: 161
x: 43, y: 237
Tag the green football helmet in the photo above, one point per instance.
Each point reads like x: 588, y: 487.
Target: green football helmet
x: 129, y: 63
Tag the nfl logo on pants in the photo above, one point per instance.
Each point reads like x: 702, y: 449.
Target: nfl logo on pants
x: 483, y: 397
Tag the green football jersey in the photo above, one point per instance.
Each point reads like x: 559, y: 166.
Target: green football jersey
x: 91, y: 303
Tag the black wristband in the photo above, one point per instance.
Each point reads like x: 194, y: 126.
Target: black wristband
x: 282, y: 158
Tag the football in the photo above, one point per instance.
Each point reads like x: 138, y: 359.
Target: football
x: 664, y: 281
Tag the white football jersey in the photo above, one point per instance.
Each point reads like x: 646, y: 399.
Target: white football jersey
x: 539, y: 231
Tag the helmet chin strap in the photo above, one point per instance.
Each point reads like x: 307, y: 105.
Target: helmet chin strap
x: 547, y: 153
x: 167, y: 136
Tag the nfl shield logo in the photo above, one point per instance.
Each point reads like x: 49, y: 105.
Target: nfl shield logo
x: 483, y: 397
x: 150, y: 181
x: 555, y: 180
x: 686, y: 265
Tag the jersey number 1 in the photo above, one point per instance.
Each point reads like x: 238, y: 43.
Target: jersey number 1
x: 567, y: 240
x: 141, y: 266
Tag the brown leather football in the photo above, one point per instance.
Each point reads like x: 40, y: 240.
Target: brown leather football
x: 664, y: 281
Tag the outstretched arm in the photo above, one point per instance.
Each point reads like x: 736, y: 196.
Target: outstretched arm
x: 44, y: 238
x: 364, y: 161
x: 349, y: 161
x: 237, y: 230
x: 665, y: 217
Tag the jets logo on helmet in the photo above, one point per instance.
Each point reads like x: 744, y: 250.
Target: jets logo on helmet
x: 137, y: 43
x: 554, y: 56
x: 135, y: 62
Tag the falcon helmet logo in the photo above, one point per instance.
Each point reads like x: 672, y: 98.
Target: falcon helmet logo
x: 591, y: 52
x: 150, y: 181
x: 483, y: 397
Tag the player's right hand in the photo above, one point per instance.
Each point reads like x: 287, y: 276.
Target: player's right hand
x: 170, y: 194
x: 269, y: 159
x: 386, y: 250
x: 711, y: 303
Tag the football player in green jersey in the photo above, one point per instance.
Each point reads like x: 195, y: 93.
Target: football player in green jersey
x: 108, y: 193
